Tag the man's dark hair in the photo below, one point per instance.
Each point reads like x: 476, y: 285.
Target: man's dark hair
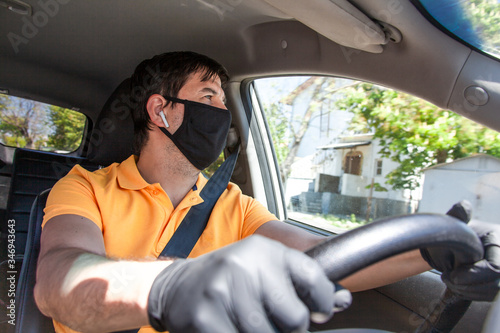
x: 166, y: 74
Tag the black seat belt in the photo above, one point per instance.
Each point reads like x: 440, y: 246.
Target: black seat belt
x: 195, y: 221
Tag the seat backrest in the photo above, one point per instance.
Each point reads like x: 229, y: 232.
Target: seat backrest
x: 34, y: 171
x: 112, y: 138
x: 111, y: 141
x: 28, y: 318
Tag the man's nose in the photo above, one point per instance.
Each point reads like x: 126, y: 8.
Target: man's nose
x: 219, y: 103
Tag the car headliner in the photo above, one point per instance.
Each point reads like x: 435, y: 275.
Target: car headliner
x: 79, y: 51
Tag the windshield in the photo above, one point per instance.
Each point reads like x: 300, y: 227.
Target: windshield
x: 476, y: 22
x: 350, y: 152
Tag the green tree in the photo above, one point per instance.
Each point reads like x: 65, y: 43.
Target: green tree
x: 414, y: 133
x: 67, y: 128
x: 278, y: 125
x: 300, y: 123
x: 29, y: 124
x: 21, y: 122
x: 210, y: 170
x: 485, y: 16
x: 288, y: 128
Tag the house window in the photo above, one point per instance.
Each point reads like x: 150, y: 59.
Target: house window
x: 352, y: 163
x: 378, y: 170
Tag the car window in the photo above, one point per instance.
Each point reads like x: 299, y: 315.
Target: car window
x: 30, y: 124
x: 350, y: 152
x: 210, y: 170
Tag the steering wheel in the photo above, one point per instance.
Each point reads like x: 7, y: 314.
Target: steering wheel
x: 343, y: 255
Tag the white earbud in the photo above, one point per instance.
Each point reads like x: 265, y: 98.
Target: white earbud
x: 162, y: 115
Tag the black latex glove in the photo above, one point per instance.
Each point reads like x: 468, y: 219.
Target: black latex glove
x: 479, y: 281
x: 441, y: 258
x: 255, y: 285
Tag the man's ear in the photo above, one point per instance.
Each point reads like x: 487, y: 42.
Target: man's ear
x: 155, y: 108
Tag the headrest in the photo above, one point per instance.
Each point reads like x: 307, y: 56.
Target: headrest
x: 112, y: 137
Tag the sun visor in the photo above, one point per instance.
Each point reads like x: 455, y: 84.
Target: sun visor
x: 337, y: 20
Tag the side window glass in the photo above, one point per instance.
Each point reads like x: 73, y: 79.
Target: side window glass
x: 29, y: 124
x: 350, y: 152
x: 210, y: 170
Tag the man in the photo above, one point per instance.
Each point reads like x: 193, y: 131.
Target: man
x: 103, y: 231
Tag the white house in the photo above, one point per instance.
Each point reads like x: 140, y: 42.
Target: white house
x: 355, y: 159
x: 334, y: 169
x: 342, y: 173
x: 479, y: 183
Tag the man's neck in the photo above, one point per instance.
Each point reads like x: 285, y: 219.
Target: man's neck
x: 170, y: 169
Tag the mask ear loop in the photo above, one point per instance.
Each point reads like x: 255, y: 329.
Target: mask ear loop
x: 162, y: 115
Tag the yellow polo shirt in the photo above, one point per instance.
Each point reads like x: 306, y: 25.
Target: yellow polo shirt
x: 137, y: 219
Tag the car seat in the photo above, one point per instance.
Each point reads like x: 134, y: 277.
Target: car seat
x: 111, y: 141
x: 29, y: 318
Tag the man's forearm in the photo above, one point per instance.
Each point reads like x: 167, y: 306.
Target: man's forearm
x: 379, y: 274
x: 88, y: 292
x: 388, y: 271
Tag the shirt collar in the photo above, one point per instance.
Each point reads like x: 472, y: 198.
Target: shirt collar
x: 130, y: 178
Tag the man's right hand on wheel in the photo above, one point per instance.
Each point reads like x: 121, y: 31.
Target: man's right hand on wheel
x: 255, y: 285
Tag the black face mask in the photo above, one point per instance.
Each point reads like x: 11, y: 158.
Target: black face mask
x: 203, y: 132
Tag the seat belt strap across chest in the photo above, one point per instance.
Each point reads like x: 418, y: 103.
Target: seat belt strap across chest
x: 192, y: 226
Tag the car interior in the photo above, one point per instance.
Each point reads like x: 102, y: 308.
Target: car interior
x: 79, y: 55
